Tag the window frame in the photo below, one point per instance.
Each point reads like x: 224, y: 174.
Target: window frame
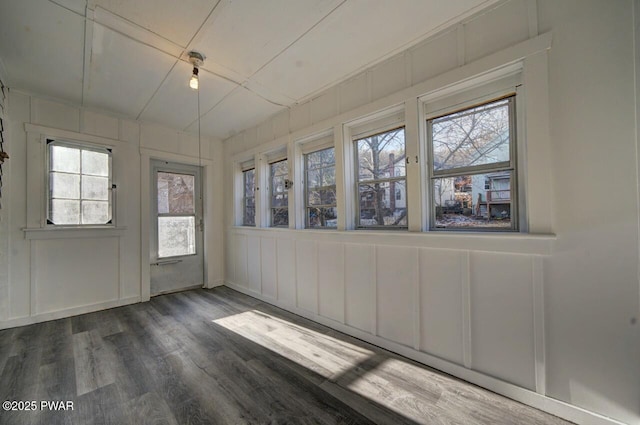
x: 271, y: 192
x: 355, y: 138
x: 81, y: 146
x: 307, y: 207
x: 245, y: 197
x: 511, y: 166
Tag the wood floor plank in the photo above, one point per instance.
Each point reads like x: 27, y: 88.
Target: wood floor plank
x: 131, y: 373
x: 86, y: 322
x: 104, y: 405
x: 221, y: 357
x: 56, y: 341
x: 211, y: 399
x: 19, y: 376
x: 149, y: 409
x: 94, y: 362
x: 6, y: 346
x: 318, y: 404
x: 168, y: 380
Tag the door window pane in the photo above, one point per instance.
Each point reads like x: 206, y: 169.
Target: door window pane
x: 176, y: 193
x: 176, y: 236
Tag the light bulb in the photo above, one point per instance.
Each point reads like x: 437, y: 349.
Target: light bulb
x: 193, y: 82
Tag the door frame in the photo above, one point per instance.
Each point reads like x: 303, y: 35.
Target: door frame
x: 158, y: 166
x: 147, y: 157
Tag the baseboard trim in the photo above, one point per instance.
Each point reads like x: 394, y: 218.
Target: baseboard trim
x: 173, y: 291
x: 216, y: 283
x: 68, y: 312
x: 531, y: 398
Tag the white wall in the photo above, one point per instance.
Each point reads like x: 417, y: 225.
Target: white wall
x: 58, y: 273
x: 591, y: 282
x: 536, y: 318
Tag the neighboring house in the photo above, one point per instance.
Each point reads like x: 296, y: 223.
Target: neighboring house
x: 492, y: 192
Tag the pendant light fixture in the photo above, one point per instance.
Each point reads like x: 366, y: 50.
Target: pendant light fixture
x: 196, y: 59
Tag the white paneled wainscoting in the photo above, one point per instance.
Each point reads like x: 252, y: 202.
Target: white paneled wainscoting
x: 474, y: 309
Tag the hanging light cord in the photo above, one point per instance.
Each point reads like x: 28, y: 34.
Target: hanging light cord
x: 200, y: 166
x: 204, y: 269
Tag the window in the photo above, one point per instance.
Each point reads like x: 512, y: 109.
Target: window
x: 381, y: 174
x: 79, y: 184
x: 472, y: 167
x: 279, y: 204
x: 249, y: 197
x: 320, y: 189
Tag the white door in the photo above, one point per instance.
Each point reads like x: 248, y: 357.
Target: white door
x: 176, y: 237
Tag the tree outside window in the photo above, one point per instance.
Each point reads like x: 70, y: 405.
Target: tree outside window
x: 279, y: 172
x: 381, y: 175
x: 320, y: 189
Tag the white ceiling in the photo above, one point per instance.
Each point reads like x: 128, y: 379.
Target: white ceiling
x: 129, y: 56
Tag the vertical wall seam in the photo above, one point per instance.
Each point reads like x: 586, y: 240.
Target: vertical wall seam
x: 344, y: 283
x: 120, y: 268
x: 32, y: 278
x: 295, y: 275
x: 260, y: 265
x: 277, y: 268
x: 315, y: 246
x: 416, y: 304
x: 374, y: 290
x: 538, y: 324
x: 465, y: 258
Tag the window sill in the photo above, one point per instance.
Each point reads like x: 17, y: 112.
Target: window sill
x: 73, y: 232
x: 506, y: 242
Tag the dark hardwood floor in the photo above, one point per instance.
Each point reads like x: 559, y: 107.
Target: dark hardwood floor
x: 220, y: 357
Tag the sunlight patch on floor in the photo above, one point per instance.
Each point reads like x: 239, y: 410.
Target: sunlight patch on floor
x: 328, y: 356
